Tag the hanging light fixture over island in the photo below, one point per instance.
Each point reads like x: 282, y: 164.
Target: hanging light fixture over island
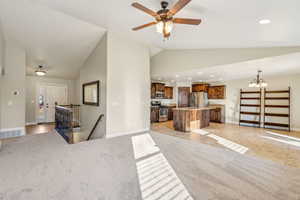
x: 258, y: 82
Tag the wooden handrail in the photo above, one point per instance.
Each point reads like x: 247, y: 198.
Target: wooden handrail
x: 95, y: 126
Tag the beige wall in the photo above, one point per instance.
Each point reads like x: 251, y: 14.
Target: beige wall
x: 2, y: 47
x: 32, y: 82
x: 275, y: 83
x: 94, y: 69
x: 128, y: 86
x: 123, y: 68
x: 13, y: 105
x: 174, y: 61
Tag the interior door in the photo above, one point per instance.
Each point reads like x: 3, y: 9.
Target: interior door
x: 54, y: 95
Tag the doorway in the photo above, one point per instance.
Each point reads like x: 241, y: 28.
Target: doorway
x: 48, y: 96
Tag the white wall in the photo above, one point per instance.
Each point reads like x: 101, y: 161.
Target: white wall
x: 232, y: 100
x: 13, y: 106
x: 94, y: 69
x: 128, y: 86
x: 32, y: 82
x: 173, y: 61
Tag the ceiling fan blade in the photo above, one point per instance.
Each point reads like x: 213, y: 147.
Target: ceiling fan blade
x: 178, y: 6
x: 187, y: 21
x: 144, y: 26
x: 144, y: 9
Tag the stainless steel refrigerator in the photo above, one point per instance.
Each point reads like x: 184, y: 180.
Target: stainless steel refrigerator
x: 198, y: 99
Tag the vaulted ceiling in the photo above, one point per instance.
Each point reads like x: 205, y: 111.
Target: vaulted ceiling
x: 61, y: 34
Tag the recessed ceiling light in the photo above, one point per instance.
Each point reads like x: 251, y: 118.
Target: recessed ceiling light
x: 265, y: 21
x: 176, y: 75
x: 199, y: 72
x: 190, y: 78
x: 172, y: 81
x: 159, y: 79
x: 212, y: 76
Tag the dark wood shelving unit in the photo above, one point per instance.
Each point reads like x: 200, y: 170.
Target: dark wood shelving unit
x: 277, y: 106
x: 250, y: 105
x: 250, y: 98
x: 257, y: 105
x: 250, y: 113
x: 270, y: 114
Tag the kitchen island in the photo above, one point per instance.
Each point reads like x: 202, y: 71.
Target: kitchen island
x: 190, y: 118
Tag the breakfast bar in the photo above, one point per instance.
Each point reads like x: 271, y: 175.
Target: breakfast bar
x: 190, y: 118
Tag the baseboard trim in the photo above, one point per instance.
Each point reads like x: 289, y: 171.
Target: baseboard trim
x: 31, y: 123
x: 127, y: 133
x: 236, y: 123
x: 295, y: 129
x: 4, y: 131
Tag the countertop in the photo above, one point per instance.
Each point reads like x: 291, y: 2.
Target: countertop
x: 193, y: 108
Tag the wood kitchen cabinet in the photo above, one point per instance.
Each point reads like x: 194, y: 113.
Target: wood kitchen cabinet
x: 168, y: 92
x: 154, y: 114
x: 215, y: 115
x: 170, y: 112
x: 217, y: 92
x: 153, y: 91
x: 159, y: 87
x: 184, y: 96
x: 200, y: 87
x: 157, y: 90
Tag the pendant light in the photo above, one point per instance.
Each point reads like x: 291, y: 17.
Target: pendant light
x: 258, y: 82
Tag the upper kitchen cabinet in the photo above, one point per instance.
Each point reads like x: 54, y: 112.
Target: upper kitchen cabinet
x: 157, y: 90
x: 200, y: 87
x: 168, y: 92
x: 153, y: 91
x: 217, y: 92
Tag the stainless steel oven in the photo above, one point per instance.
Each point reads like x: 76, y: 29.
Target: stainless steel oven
x: 163, y: 114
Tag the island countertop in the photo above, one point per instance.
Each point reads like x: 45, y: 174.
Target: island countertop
x: 193, y: 108
x: 187, y: 119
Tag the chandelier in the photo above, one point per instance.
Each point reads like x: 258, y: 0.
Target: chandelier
x: 258, y: 82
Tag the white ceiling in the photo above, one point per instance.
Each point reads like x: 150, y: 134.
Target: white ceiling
x: 226, y: 23
x: 271, y: 66
x: 54, y: 39
x: 62, y: 33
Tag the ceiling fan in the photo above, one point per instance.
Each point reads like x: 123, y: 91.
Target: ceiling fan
x: 164, y: 18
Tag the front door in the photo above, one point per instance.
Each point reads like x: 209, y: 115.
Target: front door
x: 49, y: 96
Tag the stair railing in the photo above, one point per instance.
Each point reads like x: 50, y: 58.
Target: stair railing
x: 95, y: 126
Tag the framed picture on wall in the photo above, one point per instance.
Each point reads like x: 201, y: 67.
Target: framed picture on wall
x: 90, y: 93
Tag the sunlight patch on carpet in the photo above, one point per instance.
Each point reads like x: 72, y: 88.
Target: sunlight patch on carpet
x: 157, y: 179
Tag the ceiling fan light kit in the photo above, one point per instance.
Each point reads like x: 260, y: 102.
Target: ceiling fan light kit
x: 40, y: 71
x: 164, y: 18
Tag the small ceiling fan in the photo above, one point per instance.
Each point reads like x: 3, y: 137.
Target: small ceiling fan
x: 164, y: 18
x: 40, y: 71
